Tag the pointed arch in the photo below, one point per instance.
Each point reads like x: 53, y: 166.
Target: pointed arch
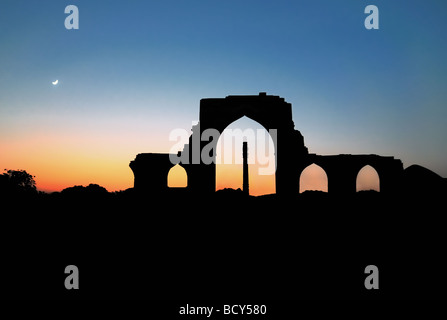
x: 177, y: 177
x: 261, y: 157
x: 368, y: 179
x: 313, y: 178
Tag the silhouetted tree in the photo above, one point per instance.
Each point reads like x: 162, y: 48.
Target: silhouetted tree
x: 17, y: 181
x: 97, y: 189
x: 92, y: 190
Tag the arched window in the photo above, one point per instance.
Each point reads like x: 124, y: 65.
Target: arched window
x: 368, y: 179
x: 177, y: 177
x: 261, y: 157
x: 313, y: 178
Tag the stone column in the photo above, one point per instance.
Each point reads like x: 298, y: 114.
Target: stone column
x: 245, y: 168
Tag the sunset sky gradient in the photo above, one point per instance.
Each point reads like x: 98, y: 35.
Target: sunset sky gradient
x: 135, y: 70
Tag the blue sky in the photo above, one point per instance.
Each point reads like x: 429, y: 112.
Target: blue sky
x: 137, y: 69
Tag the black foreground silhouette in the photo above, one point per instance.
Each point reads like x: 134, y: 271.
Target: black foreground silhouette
x: 156, y: 242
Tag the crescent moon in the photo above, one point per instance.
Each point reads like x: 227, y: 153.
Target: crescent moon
x: 55, y: 82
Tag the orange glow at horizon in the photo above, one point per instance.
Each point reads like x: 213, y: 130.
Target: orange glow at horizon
x: 63, y: 160
x: 177, y: 177
x: 59, y: 159
x: 230, y: 176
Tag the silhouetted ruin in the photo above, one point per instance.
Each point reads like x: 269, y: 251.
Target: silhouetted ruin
x: 291, y: 154
x: 156, y: 242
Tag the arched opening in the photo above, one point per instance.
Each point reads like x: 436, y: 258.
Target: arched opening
x: 313, y: 178
x: 261, y: 157
x: 177, y: 177
x: 368, y: 179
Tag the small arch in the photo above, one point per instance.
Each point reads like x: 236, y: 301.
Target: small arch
x: 177, y: 177
x: 367, y: 179
x: 313, y: 178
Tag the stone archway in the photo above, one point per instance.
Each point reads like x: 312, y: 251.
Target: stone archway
x: 272, y: 112
x: 291, y: 155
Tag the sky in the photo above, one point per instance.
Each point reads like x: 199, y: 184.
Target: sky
x: 135, y: 70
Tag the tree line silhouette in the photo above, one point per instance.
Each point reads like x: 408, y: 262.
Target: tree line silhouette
x: 417, y: 180
x: 22, y: 183
x: 176, y: 245
x: 17, y: 181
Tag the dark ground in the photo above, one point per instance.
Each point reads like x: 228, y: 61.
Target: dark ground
x: 224, y: 246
